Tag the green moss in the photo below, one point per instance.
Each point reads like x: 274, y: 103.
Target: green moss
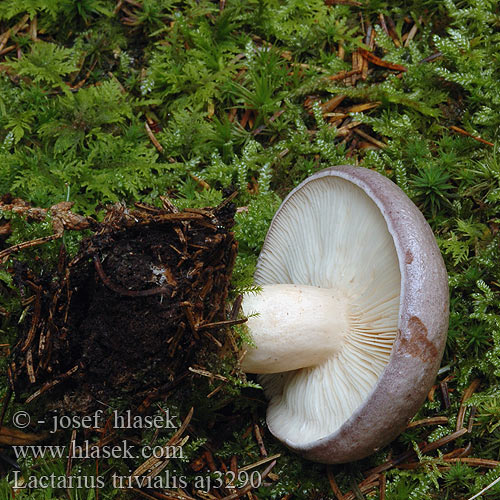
x: 225, y: 93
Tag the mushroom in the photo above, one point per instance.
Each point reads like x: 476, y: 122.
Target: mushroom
x: 352, y: 318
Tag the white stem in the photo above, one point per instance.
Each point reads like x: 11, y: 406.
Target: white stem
x: 296, y: 326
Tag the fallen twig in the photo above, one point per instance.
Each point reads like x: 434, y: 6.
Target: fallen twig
x: 52, y: 383
x: 152, y: 137
x: 468, y: 134
x: 333, y: 484
x: 428, y: 421
x: 371, y: 139
x: 343, y: 74
x: 248, y: 487
x: 260, y: 441
x: 4, y: 254
x: 467, y: 394
x: 380, y: 62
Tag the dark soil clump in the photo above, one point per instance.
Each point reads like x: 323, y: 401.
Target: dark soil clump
x: 131, y: 312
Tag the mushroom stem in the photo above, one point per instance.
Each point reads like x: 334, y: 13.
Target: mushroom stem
x: 292, y: 327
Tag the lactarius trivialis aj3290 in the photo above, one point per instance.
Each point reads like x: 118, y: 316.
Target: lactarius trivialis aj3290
x: 352, y: 319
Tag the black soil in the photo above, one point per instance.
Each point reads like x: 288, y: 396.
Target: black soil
x: 131, y: 312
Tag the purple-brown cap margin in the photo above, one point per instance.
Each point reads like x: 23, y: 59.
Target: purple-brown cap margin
x: 422, y: 328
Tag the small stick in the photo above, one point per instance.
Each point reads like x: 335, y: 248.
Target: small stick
x: 341, y: 53
x: 118, y: 7
x: 236, y: 307
x: 225, y: 202
x: 345, y: 130
x: 357, y: 64
x: 29, y: 366
x: 8, y: 49
x: 383, y: 25
x: 478, y: 462
x: 201, y: 182
x: 364, y: 71
x: 81, y: 83
x: 446, y: 395
x: 430, y: 395
x: 154, y: 140
x: 472, y: 415
x: 36, y: 317
x: 20, y: 24
x: 234, y: 465
x: 428, y: 421
x: 362, y: 107
x: 168, y: 205
x: 361, y: 18
x: 363, y: 487
x: 459, y: 452
x: 213, y: 339
x: 114, y: 78
x: 245, y: 117
x: 332, y: 104
x: 206, y: 373
x: 353, y: 3
x: 431, y: 58
x: 393, y: 462
x: 260, y: 462
x: 333, y: 484
x: 153, y: 464
x: 26, y: 244
x: 226, y: 322
x: 382, y: 485
x: 371, y: 42
x: 374, y: 141
x: 392, y: 32
x: 248, y: 487
x: 188, y: 309
x: 215, y: 391
x: 276, y: 115
x: 467, y: 394
x: 468, y: 134
x: 343, y: 75
x: 380, y: 62
x: 4, y: 39
x: 210, y: 461
x: 147, y: 208
x: 443, y: 441
x: 368, y: 36
x: 52, y: 383
x: 183, y: 426
x: 260, y: 442
x: 232, y: 114
x: 134, y: 3
x: 412, y: 33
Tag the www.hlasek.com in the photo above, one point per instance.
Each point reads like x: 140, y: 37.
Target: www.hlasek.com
x: 91, y: 450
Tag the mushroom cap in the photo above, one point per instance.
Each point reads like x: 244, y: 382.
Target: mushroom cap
x: 419, y: 335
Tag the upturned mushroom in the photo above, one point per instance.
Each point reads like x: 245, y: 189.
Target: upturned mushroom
x: 352, y: 318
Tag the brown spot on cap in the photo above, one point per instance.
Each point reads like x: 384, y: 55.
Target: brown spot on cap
x: 408, y: 257
x: 418, y: 345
